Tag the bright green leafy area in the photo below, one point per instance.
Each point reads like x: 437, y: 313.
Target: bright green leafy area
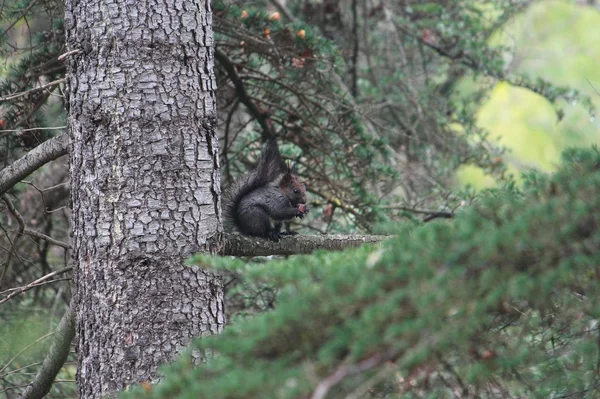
x: 554, y: 41
x: 26, y: 334
x: 500, y: 302
x: 18, y: 333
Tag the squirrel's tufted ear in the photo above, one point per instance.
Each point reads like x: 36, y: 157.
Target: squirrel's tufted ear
x: 292, y: 169
x: 286, y: 180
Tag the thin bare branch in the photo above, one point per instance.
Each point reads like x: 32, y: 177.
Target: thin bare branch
x: 15, y: 213
x: 68, y: 53
x: 47, y: 151
x: 15, y: 357
x: 35, y: 283
x: 43, y: 236
x: 345, y: 370
x: 32, y: 129
x: 429, y: 215
x: 590, y: 83
x: 35, y: 89
x: 260, y: 116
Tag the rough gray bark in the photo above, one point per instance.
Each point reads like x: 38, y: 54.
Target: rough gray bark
x: 145, y: 185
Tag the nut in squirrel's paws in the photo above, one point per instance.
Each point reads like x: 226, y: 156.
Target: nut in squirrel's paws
x: 302, y: 208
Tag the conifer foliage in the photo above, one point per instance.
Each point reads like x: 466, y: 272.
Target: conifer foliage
x: 32, y: 75
x: 499, y: 303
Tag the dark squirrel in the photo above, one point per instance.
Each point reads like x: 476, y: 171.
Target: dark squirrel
x: 270, y: 191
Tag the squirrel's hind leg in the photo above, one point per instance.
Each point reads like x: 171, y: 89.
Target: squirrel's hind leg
x: 289, y: 233
x: 284, y: 233
x: 273, y: 235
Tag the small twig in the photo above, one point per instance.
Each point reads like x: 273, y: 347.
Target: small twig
x: 15, y: 213
x: 45, y: 237
x: 41, y: 100
x: 12, y: 290
x: 24, y: 93
x: 23, y: 350
x: 343, y: 371
x: 361, y: 390
x: 33, y: 284
x: 12, y: 388
x: 20, y: 368
x: 436, y: 215
x: 355, y: 50
x: 32, y: 129
x: 226, y: 138
x: 336, y: 202
x: 57, y: 209
x: 590, y: 83
x: 68, y: 53
x: 430, y: 215
x: 42, y: 190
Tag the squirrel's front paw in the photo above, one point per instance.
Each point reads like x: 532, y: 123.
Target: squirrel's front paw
x: 302, y: 210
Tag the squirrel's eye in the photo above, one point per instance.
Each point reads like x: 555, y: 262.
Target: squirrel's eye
x: 295, y: 191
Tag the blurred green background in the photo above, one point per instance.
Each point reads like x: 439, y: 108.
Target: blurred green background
x: 558, y: 41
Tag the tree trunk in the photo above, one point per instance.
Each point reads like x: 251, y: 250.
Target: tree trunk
x: 145, y: 185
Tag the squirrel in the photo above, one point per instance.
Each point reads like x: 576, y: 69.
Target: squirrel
x: 270, y: 191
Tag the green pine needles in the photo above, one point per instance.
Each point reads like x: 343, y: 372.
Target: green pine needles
x: 501, y: 302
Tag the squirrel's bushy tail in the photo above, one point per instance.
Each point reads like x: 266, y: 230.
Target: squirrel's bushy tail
x: 267, y: 170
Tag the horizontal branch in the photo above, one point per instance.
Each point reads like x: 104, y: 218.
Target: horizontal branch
x: 42, y: 154
x: 32, y: 129
x: 239, y: 245
x: 44, y: 279
x: 35, y: 89
x: 429, y: 215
